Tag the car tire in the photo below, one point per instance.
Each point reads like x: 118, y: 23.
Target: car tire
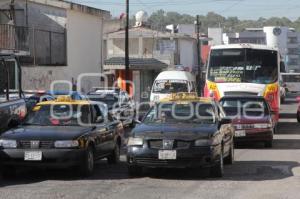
x: 135, y: 171
x: 114, y: 158
x: 217, y: 171
x: 269, y: 144
x: 87, y: 166
x: 230, y: 158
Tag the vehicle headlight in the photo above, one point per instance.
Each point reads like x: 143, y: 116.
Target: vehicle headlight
x: 66, y: 144
x: 135, y: 141
x: 263, y: 126
x: 8, y: 144
x: 203, y: 142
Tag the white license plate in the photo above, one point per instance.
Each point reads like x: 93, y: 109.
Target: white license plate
x: 241, y: 133
x: 33, y: 156
x: 167, y: 155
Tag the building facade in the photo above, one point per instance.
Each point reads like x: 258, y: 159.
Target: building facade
x: 58, y: 40
x: 287, y: 40
x: 150, y: 52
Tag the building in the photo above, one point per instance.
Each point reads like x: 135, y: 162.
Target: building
x: 287, y: 40
x: 58, y: 40
x: 150, y: 52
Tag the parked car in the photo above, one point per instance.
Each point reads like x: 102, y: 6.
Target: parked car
x: 119, y: 103
x: 75, y: 95
x: 252, y: 118
x: 12, y: 103
x: 173, y: 136
x: 34, y: 97
x: 62, y: 133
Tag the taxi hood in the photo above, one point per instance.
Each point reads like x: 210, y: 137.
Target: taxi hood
x: 45, y: 132
x: 175, y: 131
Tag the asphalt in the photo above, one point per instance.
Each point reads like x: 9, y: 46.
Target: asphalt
x: 256, y: 173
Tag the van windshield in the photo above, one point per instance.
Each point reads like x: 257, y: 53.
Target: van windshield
x: 170, y: 86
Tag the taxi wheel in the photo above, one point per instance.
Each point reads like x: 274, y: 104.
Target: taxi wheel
x: 87, y: 167
x: 217, y: 170
x: 230, y: 158
x: 135, y: 171
x: 114, y: 158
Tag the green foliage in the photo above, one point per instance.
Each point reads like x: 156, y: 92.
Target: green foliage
x: 160, y: 19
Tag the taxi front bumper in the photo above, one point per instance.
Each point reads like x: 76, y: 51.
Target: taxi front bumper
x: 51, y: 158
x: 185, y: 158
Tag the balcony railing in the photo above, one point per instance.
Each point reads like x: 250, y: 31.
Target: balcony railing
x: 14, y: 38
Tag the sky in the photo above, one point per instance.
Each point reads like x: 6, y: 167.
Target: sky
x: 244, y: 9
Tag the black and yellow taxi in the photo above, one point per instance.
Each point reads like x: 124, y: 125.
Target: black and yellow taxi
x: 62, y: 133
x: 182, y: 131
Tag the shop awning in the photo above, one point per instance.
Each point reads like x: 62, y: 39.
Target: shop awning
x: 118, y: 63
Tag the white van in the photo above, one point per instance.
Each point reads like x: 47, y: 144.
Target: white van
x: 168, y: 82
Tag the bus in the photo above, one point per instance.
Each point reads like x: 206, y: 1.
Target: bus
x: 291, y: 82
x: 244, y: 70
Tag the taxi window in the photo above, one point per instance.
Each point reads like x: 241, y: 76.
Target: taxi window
x: 59, y: 115
x: 181, y: 113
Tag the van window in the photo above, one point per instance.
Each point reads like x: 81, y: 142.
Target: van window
x: 170, y: 86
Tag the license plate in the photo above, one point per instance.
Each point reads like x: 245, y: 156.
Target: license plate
x: 240, y: 133
x: 33, y: 156
x: 167, y: 155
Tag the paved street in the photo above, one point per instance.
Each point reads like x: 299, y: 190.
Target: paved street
x: 256, y: 173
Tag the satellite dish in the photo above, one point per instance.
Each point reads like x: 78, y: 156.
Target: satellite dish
x: 141, y: 17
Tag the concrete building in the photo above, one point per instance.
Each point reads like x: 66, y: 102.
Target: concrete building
x: 287, y: 40
x: 61, y: 40
x: 150, y: 52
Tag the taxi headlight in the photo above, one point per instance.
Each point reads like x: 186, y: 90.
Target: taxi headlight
x: 203, y: 142
x: 263, y: 126
x: 135, y: 141
x: 66, y: 144
x: 8, y: 144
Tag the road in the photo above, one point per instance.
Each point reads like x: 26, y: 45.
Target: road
x: 256, y: 173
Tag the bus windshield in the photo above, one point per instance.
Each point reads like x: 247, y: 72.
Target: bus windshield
x: 243, y: 66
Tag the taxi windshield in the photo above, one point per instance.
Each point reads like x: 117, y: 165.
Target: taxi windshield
x: 200, y: 113
x: 59, y: 115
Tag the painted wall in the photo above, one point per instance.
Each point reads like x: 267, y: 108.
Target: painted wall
x: 84, y: 54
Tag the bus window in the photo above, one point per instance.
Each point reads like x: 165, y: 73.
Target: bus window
x: 243, y: 66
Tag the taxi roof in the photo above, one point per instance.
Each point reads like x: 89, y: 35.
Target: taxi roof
x: 64, y: 100
x: 186, y: 97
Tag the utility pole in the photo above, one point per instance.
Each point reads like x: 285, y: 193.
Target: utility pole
x: 26, y: 7
x: 127, y: 47
x: 198, y: 25
x: 12, y: 11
